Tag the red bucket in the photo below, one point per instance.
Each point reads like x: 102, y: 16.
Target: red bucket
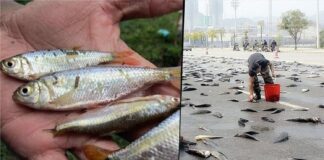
x: 272, y: 92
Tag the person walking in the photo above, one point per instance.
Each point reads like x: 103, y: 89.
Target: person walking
x: 257, y: 63
x: 273, y: 45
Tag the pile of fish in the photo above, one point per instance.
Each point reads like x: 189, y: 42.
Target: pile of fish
x: 216, y: 86
x: 70, y: 80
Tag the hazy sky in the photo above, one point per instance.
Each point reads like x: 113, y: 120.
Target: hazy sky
x: 259, y: 8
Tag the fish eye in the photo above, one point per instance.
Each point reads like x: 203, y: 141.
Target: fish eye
x: 9, y: 64
x: 25, y: 91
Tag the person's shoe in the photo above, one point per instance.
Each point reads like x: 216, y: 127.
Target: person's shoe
x: 257, y: 96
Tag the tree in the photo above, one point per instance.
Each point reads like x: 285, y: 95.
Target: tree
x: 187, y: 36
x: 294, y: 22
x: 261, y: 24
x: 212, y: 34
x: 221, y: 34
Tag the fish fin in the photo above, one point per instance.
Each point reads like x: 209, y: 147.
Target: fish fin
x: 95, y: 153
x: 64, y: 99
x: 174, y: 75
x: 124, y: 57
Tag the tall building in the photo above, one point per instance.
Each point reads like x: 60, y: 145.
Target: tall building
x: 210, y: 13
x: 216, y: 12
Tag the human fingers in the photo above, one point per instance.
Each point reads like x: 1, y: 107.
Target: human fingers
x: 146, y: 8
x: 50, y: 155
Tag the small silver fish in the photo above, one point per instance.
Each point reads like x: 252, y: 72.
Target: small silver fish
x: 32, y: 65
x: 203, y: 137
x: 162, y: 142
x: 87, y: 87
x: 120, y: 116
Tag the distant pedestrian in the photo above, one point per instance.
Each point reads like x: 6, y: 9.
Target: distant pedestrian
x: 255, y: 45
x: 257, y: 63
x: 273, y: 45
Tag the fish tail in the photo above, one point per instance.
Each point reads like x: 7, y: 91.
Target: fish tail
x: 125, y: 57
x: 95, y: 153
x: 173, y: 72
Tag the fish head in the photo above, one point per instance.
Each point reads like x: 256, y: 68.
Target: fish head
x: 33, y: 94
x: 13, y: 66
x: 170, y: 101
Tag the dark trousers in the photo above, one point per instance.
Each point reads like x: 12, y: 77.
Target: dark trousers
x: 266, y: 77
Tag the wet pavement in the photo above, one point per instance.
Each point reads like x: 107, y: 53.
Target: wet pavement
x: 306, y: 140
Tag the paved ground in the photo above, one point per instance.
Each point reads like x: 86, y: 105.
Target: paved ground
x: 306, y: 140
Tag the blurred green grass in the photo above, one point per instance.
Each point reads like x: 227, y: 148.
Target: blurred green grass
x: 142, y: 36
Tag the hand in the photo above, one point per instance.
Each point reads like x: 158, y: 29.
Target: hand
x: 251, y: 98
x: 91, y: 25
x: 273, y: 74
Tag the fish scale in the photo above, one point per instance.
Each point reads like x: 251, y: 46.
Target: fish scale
x: 162, y: 142
x: 81, y: 88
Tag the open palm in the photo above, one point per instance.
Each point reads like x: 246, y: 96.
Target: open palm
x: 89, y: 25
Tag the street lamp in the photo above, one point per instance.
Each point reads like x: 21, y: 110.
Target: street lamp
x: 270, y: 21
x: 235, y: 4
x: 317, y: 25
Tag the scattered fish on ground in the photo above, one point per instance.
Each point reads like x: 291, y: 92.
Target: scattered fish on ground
x: 218, y: 115
x: 187, y: 84
x: 248, y: 110
x: 247, y: 136
x: 312, y: 76
x: 214, y: 84
x: 306, y: 120
x: 281, y: 138
x: 242, y: 122
x: 237, y: 87
x: 203, y: 128
x: 185, y: 89
x: 305, y: 90
x: 270, y: 109
x: 224, y: 93
x: 203, y: 94
x: 301, y: 109
x: 297, y: 159
x: 292, y: 85
x: 218, y: 155
x: 238, y: 92
x: 201, y: 111
x: 251, y: 132
x: 199, y: 153
x: 278, y: 111
x: 224, y: 79
x: 203, y: 137
x: 233, y: 100
x: 267, y: 119
x: 321, y: 106
x: 204, y: 84
x: 203, y: 105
